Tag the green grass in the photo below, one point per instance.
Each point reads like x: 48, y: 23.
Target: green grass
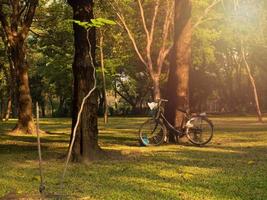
x: 232, y: 166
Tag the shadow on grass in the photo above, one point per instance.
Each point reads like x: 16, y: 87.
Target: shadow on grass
x: 33, y: 139
x: 109, y: 139
x: 231, y: 172
x: 166, y: 172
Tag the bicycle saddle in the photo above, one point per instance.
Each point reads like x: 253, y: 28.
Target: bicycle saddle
x: 203, y: 114
x: 152, y: 105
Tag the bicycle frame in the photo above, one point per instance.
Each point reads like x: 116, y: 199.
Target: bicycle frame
x: 169, y: 126
x: 159, y: 115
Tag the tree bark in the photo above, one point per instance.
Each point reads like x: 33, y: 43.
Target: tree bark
x: 156, y: 88
x: 178, y: 80
x: 86, y: 143
x: 25, y: 122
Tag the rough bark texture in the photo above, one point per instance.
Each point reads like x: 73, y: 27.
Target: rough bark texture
x: 86, y: 143
x: 178, y: 82
x: 25, y: 120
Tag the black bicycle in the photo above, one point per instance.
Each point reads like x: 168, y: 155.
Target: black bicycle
x: 197, y: 127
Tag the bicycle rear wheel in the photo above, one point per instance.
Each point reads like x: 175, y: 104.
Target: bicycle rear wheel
x: 152, y: 132
x: 199, y: 130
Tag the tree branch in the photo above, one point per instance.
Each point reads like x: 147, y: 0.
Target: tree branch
x: 121, y: 18
x: 164, y: 50
x: 143, y: 19
x: 148, y: 35
x: 154, y: 19
x: 28, y: 18
x: 206, y: 12
x: 35, y: 33
x: 124, y: 97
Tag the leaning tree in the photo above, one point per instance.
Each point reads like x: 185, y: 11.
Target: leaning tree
x: 16, y: 18
x: 86, y: 143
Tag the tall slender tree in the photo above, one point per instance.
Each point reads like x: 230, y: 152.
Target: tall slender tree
x: 153, y: 64
x: 16, y: 18
x: 178, y: 81
x: 86, y: 143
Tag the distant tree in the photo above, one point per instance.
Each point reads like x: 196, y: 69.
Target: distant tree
x: 51, y: 55
x: 8, y: 76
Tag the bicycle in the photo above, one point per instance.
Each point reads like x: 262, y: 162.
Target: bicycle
x: 197, y: 127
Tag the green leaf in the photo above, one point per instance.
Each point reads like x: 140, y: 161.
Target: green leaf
x: 98, y: 23
x: 106, y: 21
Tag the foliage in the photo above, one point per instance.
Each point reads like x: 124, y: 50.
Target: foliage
x: 215, y: 77
x: 97, y: 22
x: 52, y: 52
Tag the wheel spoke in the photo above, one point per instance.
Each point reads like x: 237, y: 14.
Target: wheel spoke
x: 152, y: 132
x: 200, y: 132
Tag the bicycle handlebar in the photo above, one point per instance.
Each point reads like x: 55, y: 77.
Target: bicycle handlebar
x: 166, y: 100
x: 162, y: 100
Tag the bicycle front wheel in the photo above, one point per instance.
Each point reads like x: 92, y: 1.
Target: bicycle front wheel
x: 199, y: 130
x: 152, y: 132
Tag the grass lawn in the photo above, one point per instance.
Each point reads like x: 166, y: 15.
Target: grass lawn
x: 232, y: 166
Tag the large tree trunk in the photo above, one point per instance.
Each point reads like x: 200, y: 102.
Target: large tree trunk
x: 178, y: 82
x: 25, y: 122
x: 86, y: 143
x: 16, y: 25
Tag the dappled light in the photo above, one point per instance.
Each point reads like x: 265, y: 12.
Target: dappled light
x: 230, y: 167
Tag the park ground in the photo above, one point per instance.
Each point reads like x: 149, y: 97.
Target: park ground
x: 232, y: 166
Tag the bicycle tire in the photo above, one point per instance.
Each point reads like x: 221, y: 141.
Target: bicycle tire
x: 199, y: 130
x: 152, y: 132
